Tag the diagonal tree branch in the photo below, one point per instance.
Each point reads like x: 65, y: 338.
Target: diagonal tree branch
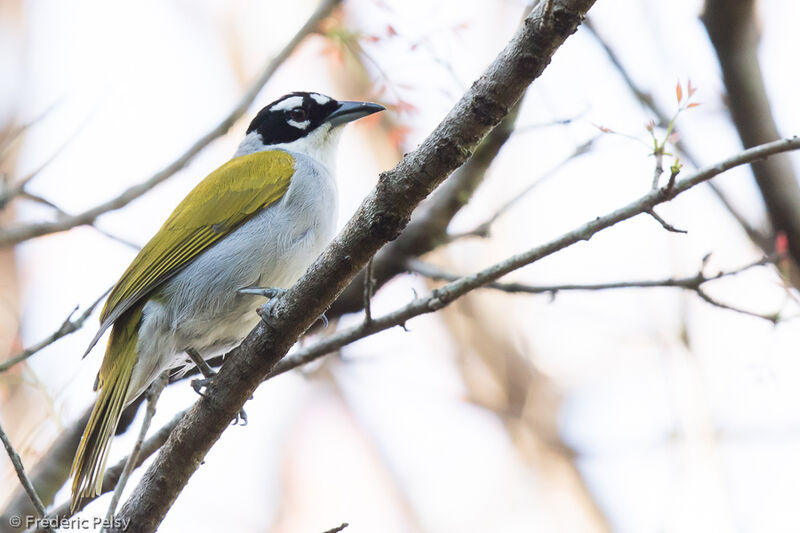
x: 443, y: 296
x: 112, y: 475
x: 485, y: 278
x: 16, y: 461
x: 465, y: 180
x: 689, y: 282
x: 732, y: 28
x: 15, y: 235
x: 54, y: 469
x: 380, y: 218
x: 67, y: 327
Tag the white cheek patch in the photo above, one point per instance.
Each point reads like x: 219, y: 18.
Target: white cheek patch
x: 321, y: 99
x: 299, y: 125
x: 289, y: 103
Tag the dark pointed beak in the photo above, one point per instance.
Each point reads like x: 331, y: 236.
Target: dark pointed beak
x: 350, y: 111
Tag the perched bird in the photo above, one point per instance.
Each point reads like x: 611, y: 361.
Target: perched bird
x: 259, y: 220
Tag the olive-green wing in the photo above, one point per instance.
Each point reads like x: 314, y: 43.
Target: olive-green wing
x: 216, y: 206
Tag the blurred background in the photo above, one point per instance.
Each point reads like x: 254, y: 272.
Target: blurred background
x: 626, y: 410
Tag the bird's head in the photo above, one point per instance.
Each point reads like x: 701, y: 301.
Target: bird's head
x: 307, y: 123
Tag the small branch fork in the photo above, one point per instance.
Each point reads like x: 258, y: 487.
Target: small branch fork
x: 758, y: 236
x: 664, y: 224
x: 202, y: 425
x: 67, y: 327
x: 461, y: 285
x: 692, y: 283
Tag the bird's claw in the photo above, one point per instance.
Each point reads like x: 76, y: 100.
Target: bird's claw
x: 267, y: 292
x: 241, y: 415
x: 199, y: 384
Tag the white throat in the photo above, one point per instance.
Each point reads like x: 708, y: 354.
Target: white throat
x: 320, y: 145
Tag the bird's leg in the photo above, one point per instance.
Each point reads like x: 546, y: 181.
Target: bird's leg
x: 267, y: 292
x: 202, y: 366
x: 208, y: 374
x: 273, y: 293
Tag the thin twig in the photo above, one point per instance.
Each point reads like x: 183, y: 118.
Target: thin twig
x: 16, y: 461
x: 67, y: 327
x: 482, y: 230
x: 18, y: 187
x: 666, y: 225
x: 761, y: 239
x: 15, y: 235
x: 153, y: 392
x: 150, y: 446
x: 443, y: 296
x: 61, y: 213
x: 774, y: 318
x: 8, y: 140
x: 369, y: 284
x: 689, y: 282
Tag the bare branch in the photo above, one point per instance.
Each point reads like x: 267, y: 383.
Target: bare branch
x: 67, y: 327
x: 774, y: 318
x: 112, y: 475
x: 734, y: 32
x: 9, y: 138
x: 690, y: 283
x: 428, y: 227
x: 482, y: 230
x: 18, y: 187
x: 369, y: 287
x: 664, y: 224
x: 758, y: 237
x: 16, y: 461
x: 15, y: 235
x: 61, y: 213
x: 442, y: 296
x: 153, y: 392
x: 380, y: 218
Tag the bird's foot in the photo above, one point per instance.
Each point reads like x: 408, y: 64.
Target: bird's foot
x: 199, y: 384
x: 208, y: 375
x: 267, y: 292
x: 273, y: 293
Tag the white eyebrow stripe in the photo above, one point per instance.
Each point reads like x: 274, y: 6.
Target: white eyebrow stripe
x: 299, y: 125
x: 289, y: 103
x: 321, y: 99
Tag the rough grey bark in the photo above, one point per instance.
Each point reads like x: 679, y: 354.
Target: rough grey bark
x: 380, y: 218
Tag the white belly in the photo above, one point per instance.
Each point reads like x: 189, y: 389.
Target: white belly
x: 200, y: 307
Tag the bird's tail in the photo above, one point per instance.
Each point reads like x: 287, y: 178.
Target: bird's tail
x: 113, y: 381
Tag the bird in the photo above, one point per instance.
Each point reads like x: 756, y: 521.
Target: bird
x: 248, y: 230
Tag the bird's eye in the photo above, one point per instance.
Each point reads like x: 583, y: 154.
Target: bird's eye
x: 298, y: 114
